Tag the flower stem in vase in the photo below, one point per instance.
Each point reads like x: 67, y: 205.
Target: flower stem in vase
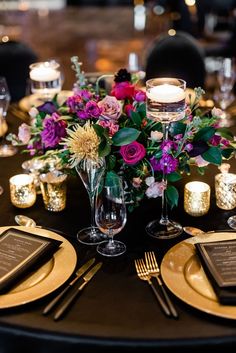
x: 164, y: 228
x: 90, y: 173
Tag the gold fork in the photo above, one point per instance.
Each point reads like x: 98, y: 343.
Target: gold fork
x: 143, y: 275
x: 154, y: 271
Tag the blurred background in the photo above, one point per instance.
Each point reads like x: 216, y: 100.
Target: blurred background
x: 108, y: 35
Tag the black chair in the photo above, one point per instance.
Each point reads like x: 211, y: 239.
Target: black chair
x: 15, y: 59
x: 177, y: 56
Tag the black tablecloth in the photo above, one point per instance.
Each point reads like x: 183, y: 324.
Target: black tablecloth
x: 116, y: 311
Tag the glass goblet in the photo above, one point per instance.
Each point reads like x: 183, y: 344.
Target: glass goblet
x: 165, y: 104
x: 110, y: 217
x: 6, y: 150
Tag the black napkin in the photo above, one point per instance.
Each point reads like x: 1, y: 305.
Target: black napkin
x: 219, y: 262
x: 22, y: 253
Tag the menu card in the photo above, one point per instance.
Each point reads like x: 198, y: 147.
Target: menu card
x: 22, y: 252
x: 219, y: 261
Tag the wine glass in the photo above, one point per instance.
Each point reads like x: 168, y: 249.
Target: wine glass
x: 5, y: 149
x: 90, y: 172
x: 110, y: 216
x: 225, y: 77
x: 165, y: 104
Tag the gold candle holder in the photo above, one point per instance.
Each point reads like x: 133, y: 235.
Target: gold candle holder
x: 225, y: 188
x: 53, y: 188
x: 22, y: 190
x: 196, y: 198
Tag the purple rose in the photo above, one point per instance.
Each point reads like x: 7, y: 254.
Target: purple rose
x: 92, y: 109
x: 133, y: 152
x: 53, y: 130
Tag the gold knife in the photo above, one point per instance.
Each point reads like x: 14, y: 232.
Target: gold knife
x: 86, y: 279
x: 79, y: 273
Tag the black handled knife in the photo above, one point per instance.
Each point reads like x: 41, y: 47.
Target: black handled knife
x: 79, y: 273
x: 86, y: 278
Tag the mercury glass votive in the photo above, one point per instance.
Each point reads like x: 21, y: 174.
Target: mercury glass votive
x: 196, y: 198
x: 22, y: 190
x: 225, y: 190
x: 53, y: 188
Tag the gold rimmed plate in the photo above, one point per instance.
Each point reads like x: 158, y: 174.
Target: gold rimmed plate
x: 183, y: 274
x: 47, y: 278
x: 33, y: 100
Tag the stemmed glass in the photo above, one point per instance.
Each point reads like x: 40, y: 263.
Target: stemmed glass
x: 165, y: 104
x: 90, y: 172
x: 225, y: 77
x: 110, y: 216
x: 5, y: 150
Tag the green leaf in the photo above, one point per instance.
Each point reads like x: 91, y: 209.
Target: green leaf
x: 226, y: 133
x: 111, y: 162
x: 172, y: 196
x: 226, y: 153
x: 98, y: 129
x: 178, y: 128
x: 136, y: 118
x: 112, y: 178
x: 205, y: 134
x: 125, y: 136
x: 174, y: 177
x: 213, y: 155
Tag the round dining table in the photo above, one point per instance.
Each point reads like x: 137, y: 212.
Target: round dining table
x: 116, y: 311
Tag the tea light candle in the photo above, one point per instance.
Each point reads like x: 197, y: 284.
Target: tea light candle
x: 225, y: 188
x: 196, y: 198
x: 22, y: 190
x: 166, y: 93
x: 44, y: 73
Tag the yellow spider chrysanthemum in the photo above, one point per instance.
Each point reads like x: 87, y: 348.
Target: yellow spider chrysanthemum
x: 82, y: 143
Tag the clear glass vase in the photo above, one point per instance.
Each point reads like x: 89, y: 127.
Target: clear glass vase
x: 91, y: 172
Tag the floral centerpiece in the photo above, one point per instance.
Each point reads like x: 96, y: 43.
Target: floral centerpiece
x: 92, y: 124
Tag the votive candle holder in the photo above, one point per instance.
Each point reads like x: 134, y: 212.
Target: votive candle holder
x: 22, y: 190
x: 53, y: 188
x: 197, y: 198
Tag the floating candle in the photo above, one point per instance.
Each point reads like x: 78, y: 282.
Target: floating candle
x: 166, y: 93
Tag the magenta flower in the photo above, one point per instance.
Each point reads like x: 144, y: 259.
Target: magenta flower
x: 139, y: 96
x: 215, y: 140
x: 133, y: 152
x: 167, y: 145
x: 53, y: 130
x: 74, y: 103
x: 123, y: 90
x: 167, y: 163
x: 92, y: 109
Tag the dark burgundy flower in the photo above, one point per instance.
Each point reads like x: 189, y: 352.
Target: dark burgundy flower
x: 122, y: 76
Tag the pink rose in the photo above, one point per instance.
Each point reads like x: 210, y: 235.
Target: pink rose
x: 24, y: 133
x: 123, y: 90
x: 111, y: 108
x: 133, y: 152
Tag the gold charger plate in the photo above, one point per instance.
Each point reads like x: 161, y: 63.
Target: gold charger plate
x: 47, y: 278
x: 33, y: 100
x: 183, y: 274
